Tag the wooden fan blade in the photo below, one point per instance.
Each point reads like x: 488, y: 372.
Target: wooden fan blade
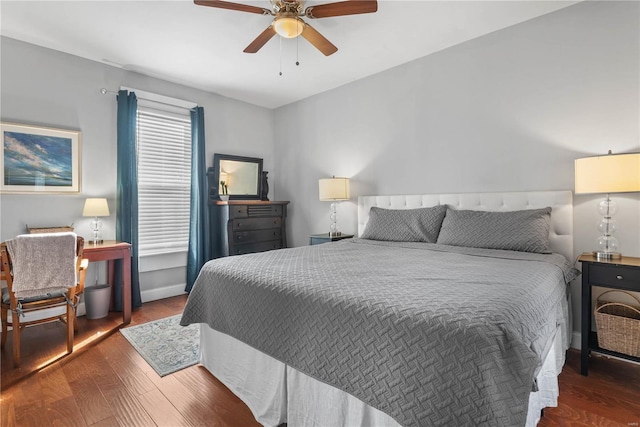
x: 349, y: 7
x: 233, y: 6
x: 261, y: 40
x: 318, y: 40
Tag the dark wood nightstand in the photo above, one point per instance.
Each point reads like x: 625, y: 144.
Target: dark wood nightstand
x: 316, y: 239
x: 621, y: 274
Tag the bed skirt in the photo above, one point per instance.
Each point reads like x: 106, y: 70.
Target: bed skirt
x: 276, y: 393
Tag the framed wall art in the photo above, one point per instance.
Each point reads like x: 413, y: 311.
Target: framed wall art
x: 36, y: 159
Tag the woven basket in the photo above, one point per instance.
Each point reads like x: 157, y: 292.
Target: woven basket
x: 618, y: 325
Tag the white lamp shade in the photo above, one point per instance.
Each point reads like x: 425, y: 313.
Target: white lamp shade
x: 334, y: 189
x: 613, y: 173
x: 95, y: 207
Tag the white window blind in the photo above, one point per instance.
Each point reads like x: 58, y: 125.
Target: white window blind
x: 164, y: 179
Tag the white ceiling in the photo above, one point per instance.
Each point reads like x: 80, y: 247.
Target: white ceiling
x: 202, y: 47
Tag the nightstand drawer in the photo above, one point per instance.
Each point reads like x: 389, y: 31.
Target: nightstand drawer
x: 257, y: 236
x: 614, y: 276
x: 255, y: 223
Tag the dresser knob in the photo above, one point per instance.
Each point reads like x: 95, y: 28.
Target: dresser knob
x: 619, y: 277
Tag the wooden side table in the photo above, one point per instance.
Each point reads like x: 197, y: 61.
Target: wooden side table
x: 111, y: 250
x: 623, y: 274
x: 316, y: 239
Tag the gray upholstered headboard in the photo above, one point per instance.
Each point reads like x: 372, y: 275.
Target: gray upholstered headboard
x: 561, y: 202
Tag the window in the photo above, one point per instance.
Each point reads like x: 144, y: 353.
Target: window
x: 164, y: 179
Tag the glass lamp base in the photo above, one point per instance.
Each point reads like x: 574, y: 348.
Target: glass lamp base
x: 96, y: 225
x: 333, y: 221
x: 607, y: 243
x: 607, y: 255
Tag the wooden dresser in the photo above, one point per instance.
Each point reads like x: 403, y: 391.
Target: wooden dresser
x: 246, y: 226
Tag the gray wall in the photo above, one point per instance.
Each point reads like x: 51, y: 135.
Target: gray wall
x: 509, y: 111
x: 48, y: 88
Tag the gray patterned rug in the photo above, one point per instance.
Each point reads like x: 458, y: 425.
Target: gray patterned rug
x: 164, y: 344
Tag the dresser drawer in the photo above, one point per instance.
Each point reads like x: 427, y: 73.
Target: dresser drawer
x: 255, y: 223
x: 264, y: 210
x: 238, y: 212
x: 256, y: 236
x: 254, y: 211
x: 255, y: 247
x: 615, y: 276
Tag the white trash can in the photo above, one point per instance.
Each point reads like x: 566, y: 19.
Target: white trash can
x: 96, y: 301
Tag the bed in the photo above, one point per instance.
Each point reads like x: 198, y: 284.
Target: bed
x: 375, y: 332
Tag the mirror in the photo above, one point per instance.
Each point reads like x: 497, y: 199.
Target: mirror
x: 236, y: 176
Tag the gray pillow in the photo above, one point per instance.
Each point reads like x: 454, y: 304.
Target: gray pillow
x: 404, y: 225
x: 525, y: 231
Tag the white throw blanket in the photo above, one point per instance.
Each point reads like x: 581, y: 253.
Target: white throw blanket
x: 43, y: 263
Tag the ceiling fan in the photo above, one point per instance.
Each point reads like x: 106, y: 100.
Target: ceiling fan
x: 288, y: 23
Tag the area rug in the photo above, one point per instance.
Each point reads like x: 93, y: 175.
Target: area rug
x: 164, y: 344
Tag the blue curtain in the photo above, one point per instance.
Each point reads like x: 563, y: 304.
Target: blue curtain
x: 199, y: 232
x: 127, y: 194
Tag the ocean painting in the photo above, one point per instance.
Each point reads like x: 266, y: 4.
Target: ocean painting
x: 39, y: 159
x: 36, y: 160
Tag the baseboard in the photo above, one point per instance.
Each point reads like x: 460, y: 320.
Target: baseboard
x: 164, y: 292
x: 576, y: 340
x: 81, y: 310
x: 150, y: 295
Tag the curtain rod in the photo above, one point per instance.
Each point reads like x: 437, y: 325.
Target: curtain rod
x: 106, y: 91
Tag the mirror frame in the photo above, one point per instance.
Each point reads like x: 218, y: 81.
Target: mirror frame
x: 214, y: 177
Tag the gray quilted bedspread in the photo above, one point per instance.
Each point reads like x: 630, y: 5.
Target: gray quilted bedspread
x: 432, y: 335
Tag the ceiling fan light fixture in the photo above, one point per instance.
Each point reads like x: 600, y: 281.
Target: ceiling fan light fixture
x: 288, y: 27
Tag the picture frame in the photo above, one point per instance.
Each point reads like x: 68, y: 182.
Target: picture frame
x: 39, y: 160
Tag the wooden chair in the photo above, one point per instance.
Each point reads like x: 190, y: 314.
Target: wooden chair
x: 26, y: 305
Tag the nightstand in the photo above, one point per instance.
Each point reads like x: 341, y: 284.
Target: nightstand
x: 623, y: 274
x: 316, y: 239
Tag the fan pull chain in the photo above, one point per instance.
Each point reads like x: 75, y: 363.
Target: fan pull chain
x: 280, y: 56
x: 297, y: 53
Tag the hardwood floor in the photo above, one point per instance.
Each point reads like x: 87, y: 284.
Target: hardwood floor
x: 609, y: 396
x: 107, y: 384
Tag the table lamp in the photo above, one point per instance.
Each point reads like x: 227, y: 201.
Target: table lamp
x: 613, y: 173
x: 333, y: 190
x: 96, y: 207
